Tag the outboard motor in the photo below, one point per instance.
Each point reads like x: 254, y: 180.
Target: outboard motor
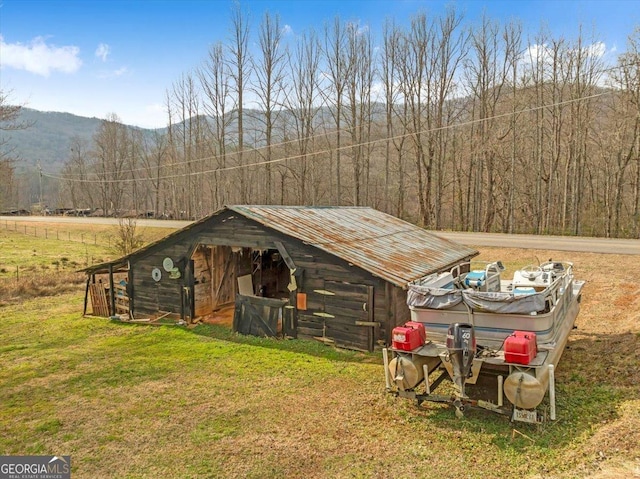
x: 461, y: 346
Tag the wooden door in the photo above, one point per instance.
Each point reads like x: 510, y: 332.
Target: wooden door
x: 349, y: 315
x: 223, y: 276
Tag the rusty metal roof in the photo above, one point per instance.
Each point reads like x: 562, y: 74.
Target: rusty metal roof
x: 386, y: 246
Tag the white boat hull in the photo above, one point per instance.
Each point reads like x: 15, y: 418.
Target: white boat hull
x: 493, y: 328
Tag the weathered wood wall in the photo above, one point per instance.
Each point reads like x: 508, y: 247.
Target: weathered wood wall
x: 345, y: 304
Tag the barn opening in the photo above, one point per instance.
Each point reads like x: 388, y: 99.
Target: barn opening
x: 241, y: 286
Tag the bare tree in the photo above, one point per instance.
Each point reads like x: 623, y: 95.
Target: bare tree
x: 218, y: 102
x: 9, y: 121
x: 188, y: 138
x: 584, y: 72
x: 358, y: 79
x: 241, y: 64
x: 111, y: 155
x: 389, y: 75
x: 486, y: 74
x: 433, y: 52
x: 621, y: 150
x: 335, y: 39
x: 269, y: 85
x: 300, y: 100
x: 154, y: 161
x: 78, y: 171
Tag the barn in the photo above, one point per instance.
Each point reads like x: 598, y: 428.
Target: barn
x: 338, y: 274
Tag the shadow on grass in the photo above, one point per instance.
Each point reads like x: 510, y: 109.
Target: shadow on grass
x: 596, y: 375
x: 302, y: 346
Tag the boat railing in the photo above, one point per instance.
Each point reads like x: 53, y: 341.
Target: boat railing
x: 541, y: 301
x: 479, y: 275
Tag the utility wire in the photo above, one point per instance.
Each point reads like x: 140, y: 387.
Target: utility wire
x: 321, y: 152
x: 232, y: 154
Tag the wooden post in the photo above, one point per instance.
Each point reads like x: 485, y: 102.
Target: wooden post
x: 86, y: 294
x: 112, y: 292
x: 130, y: 290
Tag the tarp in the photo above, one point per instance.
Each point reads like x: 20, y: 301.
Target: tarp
x: 433, y: 298
x: 505, y: 303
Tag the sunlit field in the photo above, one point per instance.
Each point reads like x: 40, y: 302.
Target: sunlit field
x: 146, y: 401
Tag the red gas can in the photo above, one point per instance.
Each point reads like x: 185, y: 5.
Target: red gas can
x: 419, y: 327
x: 408, y: 337
x: 520, y: 347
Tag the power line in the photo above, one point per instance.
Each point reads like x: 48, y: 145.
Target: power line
x: 325, y: 151
x: 232, y: 154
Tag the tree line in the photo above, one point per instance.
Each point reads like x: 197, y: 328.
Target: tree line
x: 445, y: 124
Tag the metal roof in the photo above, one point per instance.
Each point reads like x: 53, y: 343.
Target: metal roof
x: 388, y: 247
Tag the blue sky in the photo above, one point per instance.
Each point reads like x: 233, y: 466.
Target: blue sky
x: 97, y: 57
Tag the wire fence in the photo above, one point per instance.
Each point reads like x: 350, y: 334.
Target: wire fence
x: 49, y: 232
x: 58, y: 269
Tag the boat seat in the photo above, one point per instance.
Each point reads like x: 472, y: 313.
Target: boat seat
x: 475, y: 279
x: 523, y: 291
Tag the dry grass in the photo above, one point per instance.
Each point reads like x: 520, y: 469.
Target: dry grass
x: 603, y: 351
x: 38, y: 285
x: 138, y: 401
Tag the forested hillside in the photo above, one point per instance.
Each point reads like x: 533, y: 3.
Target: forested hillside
x: 48, y: 138
x: 446, y: 124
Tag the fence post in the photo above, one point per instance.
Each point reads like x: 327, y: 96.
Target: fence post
x: 17, y: 273
x: 82, y: 238
x: 46, y: 234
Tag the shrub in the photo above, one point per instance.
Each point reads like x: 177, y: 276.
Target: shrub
x: 127, y: 239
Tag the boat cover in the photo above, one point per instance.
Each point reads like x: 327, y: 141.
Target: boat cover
x: 491, y: 302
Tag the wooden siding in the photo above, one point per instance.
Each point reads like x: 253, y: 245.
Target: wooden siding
x: 153, y: 297
x: 356, y: 316
x: 344, y: 304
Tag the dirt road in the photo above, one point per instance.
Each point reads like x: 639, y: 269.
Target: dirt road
x: 559, y: 243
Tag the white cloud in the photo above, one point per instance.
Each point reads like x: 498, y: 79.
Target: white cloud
x: 287, y: 30
x: 597, y: 49
x: 112, y: 73
x: 103, y: 51
x: 363, y: 30
x: 150, y: 116
x: 39, y: 58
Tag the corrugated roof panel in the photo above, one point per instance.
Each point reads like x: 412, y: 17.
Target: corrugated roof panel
x: 384, y: 245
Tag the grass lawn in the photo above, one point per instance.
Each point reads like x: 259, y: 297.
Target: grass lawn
x: 141, y: 401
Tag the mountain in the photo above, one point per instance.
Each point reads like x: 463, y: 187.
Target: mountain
x: 48, y: 138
